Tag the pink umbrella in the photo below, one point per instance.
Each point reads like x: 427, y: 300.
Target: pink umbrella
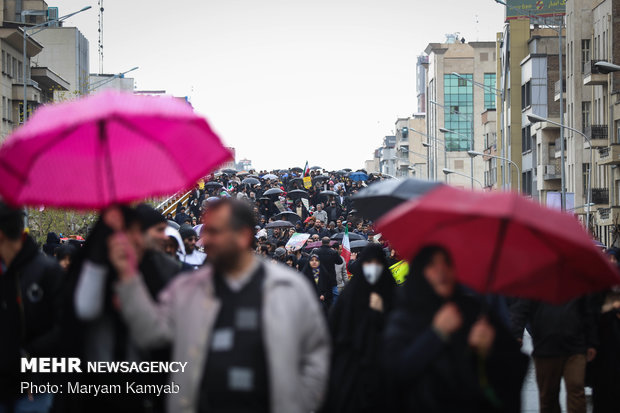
x: 109, y: 148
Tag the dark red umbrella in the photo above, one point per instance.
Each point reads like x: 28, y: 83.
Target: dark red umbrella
x: 503, y: 243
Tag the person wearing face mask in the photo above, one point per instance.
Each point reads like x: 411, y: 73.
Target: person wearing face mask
x: 356, y: 324
x: 444, y: 350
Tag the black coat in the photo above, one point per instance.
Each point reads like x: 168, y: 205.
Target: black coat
x: 322, y: 287
x: 329, y: 258
x: 557, y: 330
x: 357, y: 383
x: 29, y: 313
x: 433, y: 375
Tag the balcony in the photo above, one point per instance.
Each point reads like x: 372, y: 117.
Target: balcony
x: 609, y: 155
x: 558, y: 88
x: 592, y: 76
x: 600, y: 196
x: 598, y: 136
x: 607, y: 216
x: 33, y: 91
x: 551, y: 172
x: 558, y: 148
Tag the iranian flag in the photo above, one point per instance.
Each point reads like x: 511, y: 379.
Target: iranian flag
x: 346, y: 246
x: 306, y: 170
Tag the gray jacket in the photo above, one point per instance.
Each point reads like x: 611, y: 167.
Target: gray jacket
x: 296, y: 339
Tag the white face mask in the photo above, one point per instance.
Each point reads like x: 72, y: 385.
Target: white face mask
x: 372, y: 272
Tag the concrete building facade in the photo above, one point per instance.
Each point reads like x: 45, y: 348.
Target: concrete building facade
x: 456, y: 97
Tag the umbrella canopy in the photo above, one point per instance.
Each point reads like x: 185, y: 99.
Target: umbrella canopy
x: 173, y: 224
x: 317, y: 244
x: 381, y: 197
x: 213, y: 185
x: 297, y: 169
x: 242, y: 173
x: 293, y: 181
x: 288, y: 216
x: 213, y: 198
x: 298, y: 193
x: 108, y: 148
x: 279, y: 224
x: 522, y: 249
x: 315, y: 168
x: 329, y: 193
x: 320, y: 178
x: 352, y: 236
x: 229, y: 171
x: 358, y: 244
x: 273, y: 192
x: 250, y: 181
x: 358, y: 176
x: 271, y: 177
x: 265, y: 198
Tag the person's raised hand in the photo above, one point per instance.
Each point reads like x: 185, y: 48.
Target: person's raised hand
x: 122, y: 255
x: 448, y: 319
x: 376, y: 302
x: 482, y: 336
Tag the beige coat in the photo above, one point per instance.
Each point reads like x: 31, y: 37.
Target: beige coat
x: 294, y: 330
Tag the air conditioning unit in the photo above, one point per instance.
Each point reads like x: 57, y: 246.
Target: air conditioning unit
x: 549, y: 170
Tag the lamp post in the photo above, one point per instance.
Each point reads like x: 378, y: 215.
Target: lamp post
x: 432, y: 163
x: 473, y: 154
x: 26, y: 67
x: 447, y: 172
x: 535, y: 119
x: 606, y: 67
x: 100, y: 83
x: 471, y: 148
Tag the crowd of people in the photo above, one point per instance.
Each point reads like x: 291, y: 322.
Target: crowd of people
x: 269, y: 324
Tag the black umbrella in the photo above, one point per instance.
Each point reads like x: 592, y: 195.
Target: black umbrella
x: 264, y: 198
x: 213, y: 185
x: 329, y: 193
x: 296, y: 180
x: 297, y: 169
x: 229, y: 171
x: 314, y: 168
x: 379, y: 198
x: 352, y: 236
x: 347, y: 169
x: 319, y: 178
x: 279, y: 224
x: 297, y: 194
x: 358, y: 244
x: 250, y: 181
x: 273, y: 191
x: 288, y: 216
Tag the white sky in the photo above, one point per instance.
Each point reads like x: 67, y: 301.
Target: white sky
x: 284, y: 81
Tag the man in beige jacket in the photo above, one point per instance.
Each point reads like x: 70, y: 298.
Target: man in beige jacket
x: 251, y: 331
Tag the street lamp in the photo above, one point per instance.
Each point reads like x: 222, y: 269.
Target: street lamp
x: 40, y: 26
x: 535, y: 119
x: 447, y: 172
x: 432, y: 163
x: 471, y: 147
x: 473, y: 154
x: 606, y: 67
x: 100, y: 83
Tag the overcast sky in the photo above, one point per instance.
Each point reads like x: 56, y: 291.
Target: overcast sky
x: 284, y: 81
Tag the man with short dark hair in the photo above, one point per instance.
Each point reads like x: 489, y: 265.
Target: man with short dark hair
x: 329, y: 259
x: 251, y: 331
x: 29, y: 309
x: 182, y: 217
x: 192, y: 257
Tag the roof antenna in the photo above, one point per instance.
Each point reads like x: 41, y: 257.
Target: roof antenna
x: 100, y: 45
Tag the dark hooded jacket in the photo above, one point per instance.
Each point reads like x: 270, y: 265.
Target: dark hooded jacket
x: 356, y: 380
x: 51, y: 243
x: 29, y: 315
x: 446, y: 376
x: 323, y: 287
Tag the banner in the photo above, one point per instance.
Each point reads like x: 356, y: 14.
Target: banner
x: 306, y: 204
x: 537, y: 8
x: 279, y: 205
x: 307, y: 182
x: 296, y: 241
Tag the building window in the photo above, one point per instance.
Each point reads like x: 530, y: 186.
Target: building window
x: 585, y: 115
x: 526, y: 182
x: 585, y: 167
x: 526, y: 139
x: 526, y: 94
x: 617, y: 134
x: 489, y: 91
x: 458, y: 111
x: 3, y: 62
x: 585, y: 52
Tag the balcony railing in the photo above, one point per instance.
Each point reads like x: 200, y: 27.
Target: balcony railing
x: 589, y: 68
x: 604, y: 152
x: 596, y: 131
x: 557, y: 87
x: 600, y: 196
